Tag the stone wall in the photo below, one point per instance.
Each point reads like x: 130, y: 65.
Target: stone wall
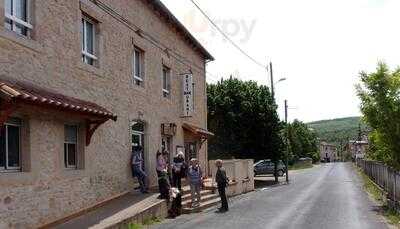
x: 51, y: 58
x: 240, y: 174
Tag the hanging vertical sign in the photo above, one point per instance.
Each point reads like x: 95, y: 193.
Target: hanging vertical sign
x: 187, y: 95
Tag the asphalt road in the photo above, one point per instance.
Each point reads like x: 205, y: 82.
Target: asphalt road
x: 327, y: 196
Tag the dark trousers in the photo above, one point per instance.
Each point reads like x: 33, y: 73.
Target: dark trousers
x: 176, y: 177
x: 222, y: 195
x: 141, y: 176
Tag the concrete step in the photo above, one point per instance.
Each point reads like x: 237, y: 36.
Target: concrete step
x: 187, y: 195
x: 204, y: 198
x: 186, y: 190
x: 203, y: 206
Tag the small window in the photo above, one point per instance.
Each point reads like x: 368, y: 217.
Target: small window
x: 88, y: 41
x: 10, y: 145
x: 166, y: 79
x: 70, y: 146
x: 16, y: 16
x: 138, y: 66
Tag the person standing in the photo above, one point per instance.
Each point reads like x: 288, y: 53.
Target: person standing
x: 178, y: 170
x: 222, y: 183
x: 137, y: 167
x: 162, y: 174
x: 195, y: 178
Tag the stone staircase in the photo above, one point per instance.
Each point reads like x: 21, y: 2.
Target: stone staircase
x: 209, y: 198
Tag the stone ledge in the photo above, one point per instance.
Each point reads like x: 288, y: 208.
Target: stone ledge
x: 20, y: 40
x: 81, y: 212
x: 137, y: 213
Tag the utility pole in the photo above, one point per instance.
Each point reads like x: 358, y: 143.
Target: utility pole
x: 271, y: 73
x: 287, y: 143
x: 272, y: 81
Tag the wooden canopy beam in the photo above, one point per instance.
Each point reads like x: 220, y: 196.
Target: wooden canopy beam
x: 91, y: 127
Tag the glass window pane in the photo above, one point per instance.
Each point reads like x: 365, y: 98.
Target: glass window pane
x: 3, y: 147
x: 83, y: 34
x: 71, y: 154
x: 8, y: 7
x: 137, y: 63
x: 20, y: 9
x: 8, y: 24
x: 89, y: 38
x: 138, y: 126
x: 71, y: 133
x: 13, y: 146
x: 20, y: 29
x: 136, y: 140
x: 164, y: 78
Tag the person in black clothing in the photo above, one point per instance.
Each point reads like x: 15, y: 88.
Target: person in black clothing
x: 178, y: 170
x: 222, y: 182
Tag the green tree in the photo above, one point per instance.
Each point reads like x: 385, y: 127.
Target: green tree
x: 380, y: 104
x: 302, y: 141
x: 243, y: 117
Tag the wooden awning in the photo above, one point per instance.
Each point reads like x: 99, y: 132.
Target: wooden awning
x: 13, y: 93
x: 197, y: 130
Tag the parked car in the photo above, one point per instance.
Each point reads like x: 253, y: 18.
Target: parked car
x: 266, y: 167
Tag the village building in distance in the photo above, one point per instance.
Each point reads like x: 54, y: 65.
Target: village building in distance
x: 81, y: 82
x: 328, y: 152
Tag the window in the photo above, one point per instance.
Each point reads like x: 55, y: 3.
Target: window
x: 88, y: 41
x: 166, y: 77
x: 10, y: 145
x: 70, y: 146
x: 16, y: 16
x: 137, y: 66
x: 137, y: 134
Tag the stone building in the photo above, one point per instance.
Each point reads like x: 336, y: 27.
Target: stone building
x: 328, y: 152
x: 81, y: 82
x: 357, y: 149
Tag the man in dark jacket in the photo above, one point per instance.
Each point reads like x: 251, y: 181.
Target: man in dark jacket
x: 222, y: 182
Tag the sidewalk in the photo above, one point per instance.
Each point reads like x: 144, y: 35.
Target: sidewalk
x: 132, y: 207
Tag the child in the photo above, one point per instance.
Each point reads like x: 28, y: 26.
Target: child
x: 196, y: 181
x: 176, y: 206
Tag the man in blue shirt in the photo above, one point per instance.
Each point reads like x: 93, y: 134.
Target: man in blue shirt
x: 137, y: 167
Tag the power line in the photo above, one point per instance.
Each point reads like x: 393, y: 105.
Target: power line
x: 227, y: 37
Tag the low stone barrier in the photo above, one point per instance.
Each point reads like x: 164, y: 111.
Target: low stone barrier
x: 240, y: 174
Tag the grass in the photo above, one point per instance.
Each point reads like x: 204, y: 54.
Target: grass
x: 379, y: 195
x: 300, y: 166
x: 146, y: 222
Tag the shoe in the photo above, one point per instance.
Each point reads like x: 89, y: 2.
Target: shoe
x: 145, y: 192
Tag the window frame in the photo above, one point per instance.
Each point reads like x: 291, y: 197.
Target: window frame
x: 66, y: 163
x: 166, y: 92
x: 7, y: 168
x: 84, y: 53
x: 138, y: 79
x: 139, y: 133
x: 15, y: 20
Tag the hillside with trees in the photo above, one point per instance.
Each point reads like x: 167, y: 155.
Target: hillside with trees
x: 338, y: 131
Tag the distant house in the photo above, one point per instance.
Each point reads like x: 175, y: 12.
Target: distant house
x: 328, y: 152
x: 357, y: 149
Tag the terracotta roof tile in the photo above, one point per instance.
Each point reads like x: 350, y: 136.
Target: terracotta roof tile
x: 26, y: 92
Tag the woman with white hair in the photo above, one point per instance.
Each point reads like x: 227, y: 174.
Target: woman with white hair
x: 178, y: 169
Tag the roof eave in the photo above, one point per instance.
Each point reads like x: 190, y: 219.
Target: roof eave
x: 160, y: 6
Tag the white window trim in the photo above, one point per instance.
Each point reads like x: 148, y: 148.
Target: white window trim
x: 84, y: 45
x: 140, y: 134
x: 19, y: 21
x: 6, y: 168
x: 140, y: 76
x: 66, y: 164
x: 14, y: 19
x: 168, y: 79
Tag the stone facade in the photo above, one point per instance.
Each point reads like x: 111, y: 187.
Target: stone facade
x: 44, y: 190
x: 328, y: 152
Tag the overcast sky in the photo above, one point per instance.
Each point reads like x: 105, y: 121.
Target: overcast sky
x: 320, y: 46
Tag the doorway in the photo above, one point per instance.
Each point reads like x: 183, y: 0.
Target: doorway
x: 137, y: 137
